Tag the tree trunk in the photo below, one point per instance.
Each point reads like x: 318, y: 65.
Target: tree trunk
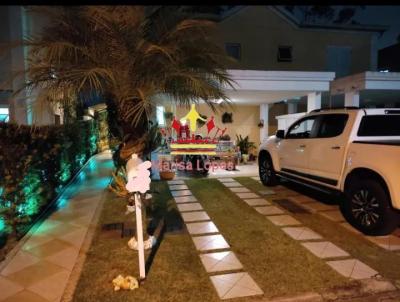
x: 134, y: 138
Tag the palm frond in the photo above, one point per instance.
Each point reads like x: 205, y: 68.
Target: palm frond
x: 129, y: 56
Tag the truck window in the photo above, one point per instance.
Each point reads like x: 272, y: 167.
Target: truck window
x: 379, y: 125
x: 332, y: 125
x: 302, y: 129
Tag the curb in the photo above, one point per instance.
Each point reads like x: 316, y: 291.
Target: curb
x: 69, y: 290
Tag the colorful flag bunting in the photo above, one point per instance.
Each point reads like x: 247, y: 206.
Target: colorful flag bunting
x: 176, y: 125
x: 210, y: 125
x: 223, y: 131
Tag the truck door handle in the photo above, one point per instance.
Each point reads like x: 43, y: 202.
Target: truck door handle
x: 302, y: 146
x: 335, y: 147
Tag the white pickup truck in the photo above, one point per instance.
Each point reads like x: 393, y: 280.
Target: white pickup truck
x: 351, y: 151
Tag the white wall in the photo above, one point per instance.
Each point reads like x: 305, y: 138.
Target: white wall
x: 19, y: 24
x: 285, y: 121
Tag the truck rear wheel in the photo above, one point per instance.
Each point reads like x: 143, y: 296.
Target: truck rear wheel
x: 368, y: 208
x: 266, y: 171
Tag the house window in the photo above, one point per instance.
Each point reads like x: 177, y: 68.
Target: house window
x: 233, y: 50
x: 285, y: 54
x: 4, y: 115
x: 160, y: 115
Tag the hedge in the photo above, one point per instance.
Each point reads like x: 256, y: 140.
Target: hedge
x: 35, y: 164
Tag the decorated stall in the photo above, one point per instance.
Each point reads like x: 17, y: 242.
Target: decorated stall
x: 189, y: 149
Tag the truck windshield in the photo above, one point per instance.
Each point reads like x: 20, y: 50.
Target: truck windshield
x: 380, y: 125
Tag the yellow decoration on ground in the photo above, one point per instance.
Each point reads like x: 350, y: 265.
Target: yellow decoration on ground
x: 193, y: 116
x: 128, y: 282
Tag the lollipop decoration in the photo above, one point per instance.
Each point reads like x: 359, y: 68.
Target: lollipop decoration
x: 139, y: 182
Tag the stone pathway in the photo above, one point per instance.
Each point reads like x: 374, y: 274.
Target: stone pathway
x: 40, y: 269
x: 310, y: 240
x: 331, y: 212
x: 215, y: 255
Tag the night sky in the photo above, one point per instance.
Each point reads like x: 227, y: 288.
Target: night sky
x: 382, y: 15
x: 388, y: 15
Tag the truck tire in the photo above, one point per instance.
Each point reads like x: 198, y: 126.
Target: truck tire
x: 266, y: 171
x: 368, y: 208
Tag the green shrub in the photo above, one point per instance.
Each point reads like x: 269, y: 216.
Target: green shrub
x: 244, y: 144
x: 35, y: 165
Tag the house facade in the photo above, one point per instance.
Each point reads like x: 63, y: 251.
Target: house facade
x: 268, y: 38
x: 18, y: 23
x: 283, y: 67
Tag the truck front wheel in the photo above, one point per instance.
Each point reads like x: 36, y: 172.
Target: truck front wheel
x: 266, y: 171
x: 367, y: 207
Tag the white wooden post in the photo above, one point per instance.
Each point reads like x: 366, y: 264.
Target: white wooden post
x: 138, y: 182
x: 292, y: 108
x: 139, y: 236
x: 264, y: 109
x: 313, y: 101
x: 352, y: 98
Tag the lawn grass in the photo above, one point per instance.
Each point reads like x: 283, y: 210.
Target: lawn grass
x: 278, y: 264
x: 176, y: 273
x: 387, y: 263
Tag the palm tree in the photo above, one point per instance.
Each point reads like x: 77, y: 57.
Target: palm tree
x: 130, y: 57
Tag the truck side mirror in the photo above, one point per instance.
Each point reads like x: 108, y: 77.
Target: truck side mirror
x: 280, y: 134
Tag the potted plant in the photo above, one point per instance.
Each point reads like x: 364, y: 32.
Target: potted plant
x: 166, y: 171
x: 166, y: 174
x: 245, y: 145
